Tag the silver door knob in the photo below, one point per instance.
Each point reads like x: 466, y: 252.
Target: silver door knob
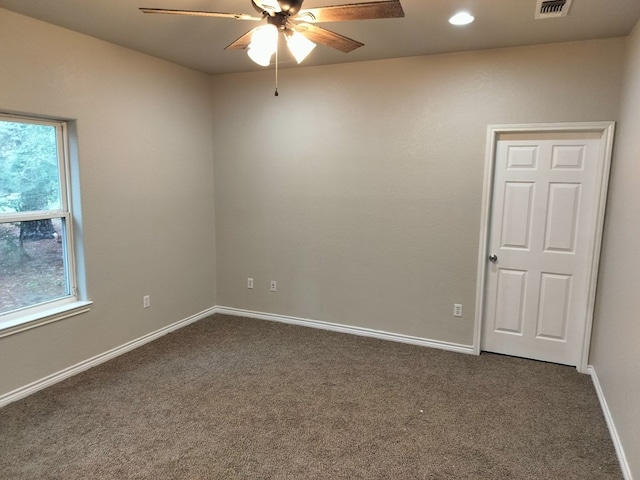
x: 493, y: 258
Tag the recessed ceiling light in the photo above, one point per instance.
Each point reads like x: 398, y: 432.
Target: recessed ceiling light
x: 461, y: 18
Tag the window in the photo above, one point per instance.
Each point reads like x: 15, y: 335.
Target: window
x: 37, y: 270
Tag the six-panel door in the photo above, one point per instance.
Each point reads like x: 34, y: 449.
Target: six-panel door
x: 543, y: 222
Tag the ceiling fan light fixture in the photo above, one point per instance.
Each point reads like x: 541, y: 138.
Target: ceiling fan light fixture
x: 299, y: 46
x: 264, y: 42
x: 461, y: 18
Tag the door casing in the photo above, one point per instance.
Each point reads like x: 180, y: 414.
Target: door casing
x: 493, y: 132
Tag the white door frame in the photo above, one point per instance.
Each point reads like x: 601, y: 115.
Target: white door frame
x: 493, y: 131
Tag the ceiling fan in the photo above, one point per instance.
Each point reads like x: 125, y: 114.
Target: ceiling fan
x: 298, y: 25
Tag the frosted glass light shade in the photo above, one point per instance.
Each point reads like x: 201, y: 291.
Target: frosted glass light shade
x: 261, y: 57
x: 264, y: 42
x: 300, y: 46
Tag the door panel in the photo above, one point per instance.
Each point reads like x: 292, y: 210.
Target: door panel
x: 522, y: 156
x: 510, y: 301
x: 516, y: 219
x: 555, y: 295
x: 562, y: 217
x: 543, y: 228
x: 568, y: 157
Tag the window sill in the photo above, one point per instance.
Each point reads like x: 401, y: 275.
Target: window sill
x: 38, y: 319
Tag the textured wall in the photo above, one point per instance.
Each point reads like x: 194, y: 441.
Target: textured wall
x: 615, y: 352
x: 144, y: 138
x: 358, y: 188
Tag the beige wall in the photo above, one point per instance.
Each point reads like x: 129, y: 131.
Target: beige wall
x: 615, y: 352
x: 358, y: 189
x: 144, y: 131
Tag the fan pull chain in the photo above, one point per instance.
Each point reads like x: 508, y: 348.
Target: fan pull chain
x: 277, y: 48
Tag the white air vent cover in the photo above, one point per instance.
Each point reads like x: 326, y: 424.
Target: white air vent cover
x: 552, y: 8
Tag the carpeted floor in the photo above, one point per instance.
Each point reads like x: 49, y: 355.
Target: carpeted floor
x: 233, y: 398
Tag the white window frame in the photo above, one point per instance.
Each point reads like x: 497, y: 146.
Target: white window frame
x: 32, y: 316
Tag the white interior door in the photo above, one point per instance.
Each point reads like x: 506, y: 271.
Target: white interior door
x: 543, y: 232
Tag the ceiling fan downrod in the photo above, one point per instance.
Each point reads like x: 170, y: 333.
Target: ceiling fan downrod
x: 276, y: 92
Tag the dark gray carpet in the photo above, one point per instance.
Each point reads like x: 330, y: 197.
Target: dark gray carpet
x: 232, y: 398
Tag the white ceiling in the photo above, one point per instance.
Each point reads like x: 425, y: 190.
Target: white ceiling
x: 198, y: 42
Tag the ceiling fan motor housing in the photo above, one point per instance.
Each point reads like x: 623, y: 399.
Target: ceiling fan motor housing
x: 286, y: 7
x: 279, y: 21
x: 290, y: 6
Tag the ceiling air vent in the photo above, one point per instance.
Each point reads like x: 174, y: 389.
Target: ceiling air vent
x: 552, y: 8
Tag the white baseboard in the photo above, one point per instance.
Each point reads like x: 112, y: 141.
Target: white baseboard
x: 336, y: 327
x: 49, y: 380
x: 54, y: 378
x: 622, y: 458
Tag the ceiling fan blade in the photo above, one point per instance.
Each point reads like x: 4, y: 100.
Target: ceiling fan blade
x: 355, y: 11
x: 326, y: 37
x: 242, y: 42
x: 197, y: 13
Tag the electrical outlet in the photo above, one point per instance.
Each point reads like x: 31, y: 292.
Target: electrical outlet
x: 274, y: 285
x: 249, y: 282
x: 457, y: 309
x: 146, y: 301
